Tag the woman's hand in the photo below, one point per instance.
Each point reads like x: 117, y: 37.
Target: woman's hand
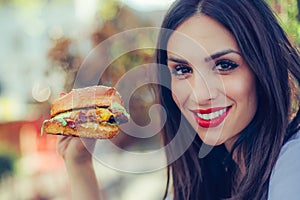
x: 78, y: 161
x: 75, y: 150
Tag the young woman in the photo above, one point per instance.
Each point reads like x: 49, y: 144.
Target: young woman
x: 252, y: 56
x: 229, y: 70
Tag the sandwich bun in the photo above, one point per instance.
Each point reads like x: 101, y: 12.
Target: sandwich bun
x: 91, y: 112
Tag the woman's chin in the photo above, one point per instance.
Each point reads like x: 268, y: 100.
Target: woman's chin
x: 212, y: 141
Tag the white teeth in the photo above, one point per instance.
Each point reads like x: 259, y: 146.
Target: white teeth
x: 212, y: 115
x: 205, y: 116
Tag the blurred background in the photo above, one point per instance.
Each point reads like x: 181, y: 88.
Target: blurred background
x: 42, y: 45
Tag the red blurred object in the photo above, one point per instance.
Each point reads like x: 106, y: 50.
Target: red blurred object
x: 37, y: 151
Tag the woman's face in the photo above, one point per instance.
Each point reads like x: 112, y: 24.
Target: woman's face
x: 211, y: 83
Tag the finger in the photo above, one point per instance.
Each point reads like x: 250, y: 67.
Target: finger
x: 62, y: 94
x: 62, y: 142
x: 89, y: 142
x: 62, y: 138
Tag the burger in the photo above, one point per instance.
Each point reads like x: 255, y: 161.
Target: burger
x: 91, y: 112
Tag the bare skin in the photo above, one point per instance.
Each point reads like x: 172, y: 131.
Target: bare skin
x: 78, y: 161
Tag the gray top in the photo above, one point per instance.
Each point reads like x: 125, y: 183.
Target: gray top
x: 285, y: 177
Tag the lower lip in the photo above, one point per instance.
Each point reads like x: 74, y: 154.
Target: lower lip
x: 213, y: 122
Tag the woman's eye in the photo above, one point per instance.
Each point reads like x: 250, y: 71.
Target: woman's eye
x: 225, y: 65
x: 182, y: 71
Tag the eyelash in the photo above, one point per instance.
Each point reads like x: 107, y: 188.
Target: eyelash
x: 226, y: 65
x: 182, y: 71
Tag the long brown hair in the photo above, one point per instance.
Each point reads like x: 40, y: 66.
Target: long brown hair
x: 271, y: 57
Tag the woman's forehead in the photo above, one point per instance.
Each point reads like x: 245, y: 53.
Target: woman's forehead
x: 200, y: 33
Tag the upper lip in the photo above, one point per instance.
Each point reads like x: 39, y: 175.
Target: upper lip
x: 209, y: 110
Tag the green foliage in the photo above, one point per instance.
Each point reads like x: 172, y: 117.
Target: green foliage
x: 108, y: 9
x: 287, y: 12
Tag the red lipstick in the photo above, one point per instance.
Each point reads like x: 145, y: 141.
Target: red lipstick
x: 211, y: 117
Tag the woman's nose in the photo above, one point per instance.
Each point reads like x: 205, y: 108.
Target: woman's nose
x: 205, y: 87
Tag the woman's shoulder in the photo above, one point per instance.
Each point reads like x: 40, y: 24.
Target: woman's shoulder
x: 290, y: 146
x: 284, y: 180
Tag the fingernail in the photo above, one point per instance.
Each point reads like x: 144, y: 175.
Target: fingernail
x: 62, y: 94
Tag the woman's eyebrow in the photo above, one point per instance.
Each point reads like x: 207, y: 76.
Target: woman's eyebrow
x: 206, y: 59
x: 219, y: 54
x: 177, y: 60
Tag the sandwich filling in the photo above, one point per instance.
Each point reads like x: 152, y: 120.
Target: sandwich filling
x: 112, y: 115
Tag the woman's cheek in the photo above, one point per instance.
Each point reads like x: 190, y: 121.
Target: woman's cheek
x: 242, y: 91
x: 180, y: 91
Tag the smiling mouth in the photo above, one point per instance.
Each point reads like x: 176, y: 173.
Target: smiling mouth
x: 211, y: 117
